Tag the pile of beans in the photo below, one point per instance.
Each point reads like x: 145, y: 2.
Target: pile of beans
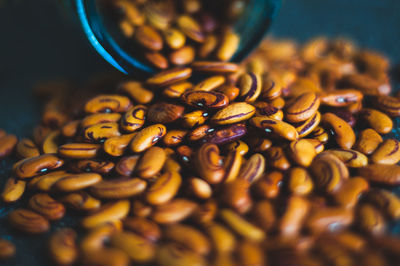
x: 167, y: 33
x: 282, y: 160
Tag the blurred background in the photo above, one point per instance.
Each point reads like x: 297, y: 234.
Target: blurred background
x: 42, y: 40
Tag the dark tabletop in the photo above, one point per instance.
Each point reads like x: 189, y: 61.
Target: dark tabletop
x: 42, y: 40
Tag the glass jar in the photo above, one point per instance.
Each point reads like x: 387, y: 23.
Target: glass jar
x: 252, y: 21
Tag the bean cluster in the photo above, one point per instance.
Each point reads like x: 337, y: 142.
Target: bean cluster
x: 285, y: 159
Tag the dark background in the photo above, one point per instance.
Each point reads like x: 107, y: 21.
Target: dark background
x: 41, y: 40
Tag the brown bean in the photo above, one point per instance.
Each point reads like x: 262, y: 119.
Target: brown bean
x: 340, y: 97
x: 268, y: 110
x: 275, y: 128
x: 259, y: 144
x: 169, y: 77
x: 230, y: 91
x: 328, y: 172
x: 377, y: 120
x: 215, y: 67
x: 174, y: 38
x: 151, y: 162
x: 30, y: 167
x: 95, y: 119
x: 190, y: 28
x: 302, y: 152
x: 205, y: 99
x: 164, y: 189
x: 62, y: 247
x: 388, y: 104
x: 177, y: 89
x: 195, y: 118
x: 349, y: 192
x: 118, y: 188
x: 138, y: 249
x: 269, y: 185
x: 332, y: 218
x: 367, y: 142
x: 81, y: 201
x: 302, y: 107
x: 226, y: 134
x: 7, y: 145
x: 320, y: 134
x: 47, y: 206
x: 174, y: 137
x: 250, y: 86
x: 381, y: 173
x: 306, y: 127
x: 241, y: 147
x: 28, y: 221
x: 91, y: 165
x: 344, y: 134
x: 300, y: 182
x: 296, y: 212
x: 77, y: 182
x: 370, y: 220
x: 385, y: 201
x: 351, y: 158
x: 79, y: 150
x: 174, y: 211
x: 143, y: 227
x: 50, y: 142
x: 164, y: 113
x: 241, y: 226
x: 136, y: 92
x: 7, y: 249
x: 100, y: 132
x: 232, y: 164
x: 210, y: 83
x: 208, y: 163
x: 149, y: 38
x: 200, y: 188
x: 107, y: 104
x: 97, y: 237
x: 26, y: 148
x: 264, y: 215
x: 235, y: 112
x: 222, y: 239
x: 116, y: 146
x: 157, y: 59
x: 388, y: 152
x: 109, y: 212
x: 147, y: 137
x: 277, y: 158
x: 13, y: 190
x: 182, y: 56
x: 253, y: 168
x: 199, y: 133
x: 175, y: 254
x: 189, y: 237
x: 45, y: 182
x: 127, y: 165
x: 229, y: 45
x: 236, y: 195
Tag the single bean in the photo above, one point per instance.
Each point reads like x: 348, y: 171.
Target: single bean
x: 138, y: 249
x: 174, y: 211
x: 233, y: 113
x: 94, y: 119
x: 30, y: 167
x: 349, y: 157
x: 143, y: 227
x: 275, y: 128
x: 350, y: 191
x: 47, y: 206
x: 302, y: 107
x: 208, y: 163
x: 136, y: 92
x: 81, y: 201
x: 79, y: 150
x: 169, y: 77
x: 62, y: 247
x: 164, y: 189
x: 77, y: 182
x: 147, y: 137
x: 368, y: 140
x: 26, y: 148
x: 28, y: 221
x: 344, y: 134
x: 388, y: 152
x: 302, y: 152
x: 118, y: 188
x: 108, y: 103
x: 164, y: 113
x: 13, y: 190
x: 381, y: 173
x: 109, y: 212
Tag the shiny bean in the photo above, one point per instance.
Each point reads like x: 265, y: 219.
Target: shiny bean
x: 35, y: 165
x: 118, y: 188
x: 147, y: 137
x: 208, y: 163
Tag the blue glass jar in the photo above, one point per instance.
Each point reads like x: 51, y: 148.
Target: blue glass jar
x: 252, y: 25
